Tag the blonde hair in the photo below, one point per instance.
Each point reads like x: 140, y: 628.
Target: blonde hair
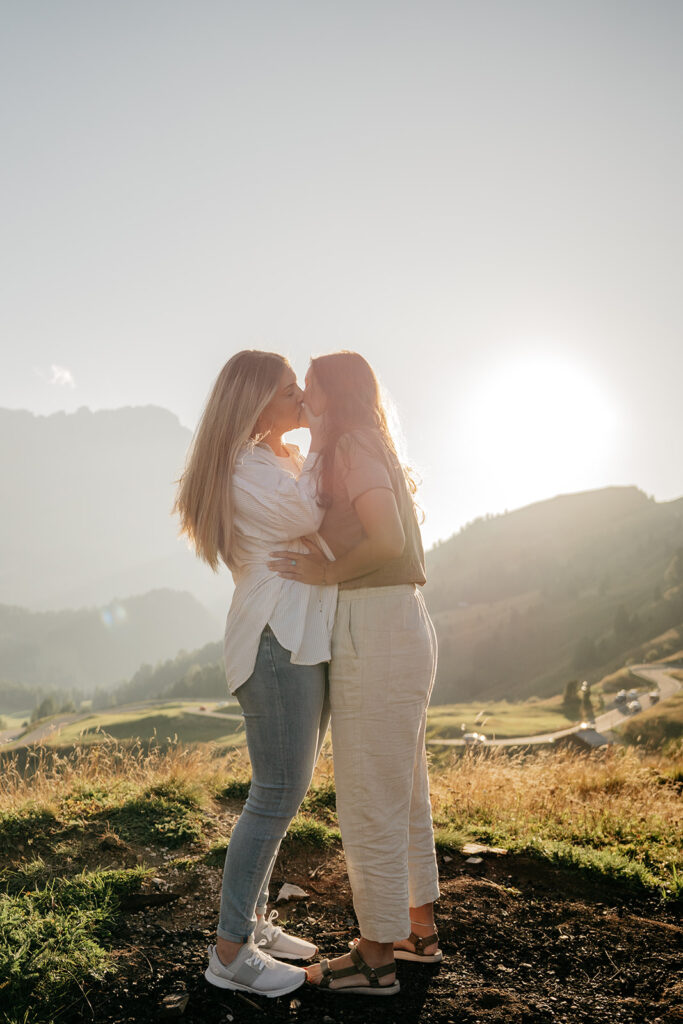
x: 243, y: 389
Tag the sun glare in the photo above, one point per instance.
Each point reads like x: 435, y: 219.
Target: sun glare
x: 540, y: 426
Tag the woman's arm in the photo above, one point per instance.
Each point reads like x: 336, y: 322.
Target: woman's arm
x: 384, y: 540
x: 272, y: 503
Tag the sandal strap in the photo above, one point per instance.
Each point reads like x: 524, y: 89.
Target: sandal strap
x: 330, y: 974
x: 422, y: 941
x: 327, y: 974
x: 373, y: 974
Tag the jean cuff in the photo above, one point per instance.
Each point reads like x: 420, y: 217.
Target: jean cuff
x: 232, y: 936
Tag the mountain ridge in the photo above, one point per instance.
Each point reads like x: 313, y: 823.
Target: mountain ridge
x: 87, y: 499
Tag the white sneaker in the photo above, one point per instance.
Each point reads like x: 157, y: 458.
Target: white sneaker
x: 271, y: 937
x: 252, y: 970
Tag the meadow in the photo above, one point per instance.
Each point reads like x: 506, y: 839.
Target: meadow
x: 183, y: 721
x: 84, y: 836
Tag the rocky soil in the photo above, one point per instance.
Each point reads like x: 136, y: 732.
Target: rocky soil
x: 524, y: 943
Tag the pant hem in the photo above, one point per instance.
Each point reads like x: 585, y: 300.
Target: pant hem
x: 429, y: 895
x: 232, y: 936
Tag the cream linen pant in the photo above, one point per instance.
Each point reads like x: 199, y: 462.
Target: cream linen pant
x: 381, y: 677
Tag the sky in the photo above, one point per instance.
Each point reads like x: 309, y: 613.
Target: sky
x: 481, y: 196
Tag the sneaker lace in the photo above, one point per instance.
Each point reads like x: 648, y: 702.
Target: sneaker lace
x: 269, y: 931
x: 259, y: 959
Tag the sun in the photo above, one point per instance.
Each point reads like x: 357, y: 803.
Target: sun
x: 539, y: 425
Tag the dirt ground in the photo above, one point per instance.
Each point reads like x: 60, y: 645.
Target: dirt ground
x: 524, y: 943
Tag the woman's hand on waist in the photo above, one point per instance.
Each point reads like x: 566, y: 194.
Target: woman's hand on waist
x: 312, y: 568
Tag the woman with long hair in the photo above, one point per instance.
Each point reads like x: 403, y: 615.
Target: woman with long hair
x: 243, y: 491
x: 381, y: 676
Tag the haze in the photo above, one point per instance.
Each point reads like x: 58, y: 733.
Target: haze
x: 481, y: 197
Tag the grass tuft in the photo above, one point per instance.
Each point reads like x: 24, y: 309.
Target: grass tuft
x: 448, y: 838
x: 215, y: 855
x: 235, y: 789
x: 307, y: 831
x: 153, y: 818
x: 51, y: 939
x: 19, y: 827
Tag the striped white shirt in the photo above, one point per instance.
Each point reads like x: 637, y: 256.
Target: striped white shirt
x: 274, y: 505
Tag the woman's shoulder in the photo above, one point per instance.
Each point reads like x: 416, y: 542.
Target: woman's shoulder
x: 360, y: 440
x: 258, y: 461
x: 363, y: 451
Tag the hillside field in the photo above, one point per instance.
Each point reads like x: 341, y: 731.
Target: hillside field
x: 182, y: 720
x: 112, y: 870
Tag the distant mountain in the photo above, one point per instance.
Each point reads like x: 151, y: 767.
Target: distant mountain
x: 98, y: 647
x: 568, y: 588
x: 86, y: 510
x: 563, y: 588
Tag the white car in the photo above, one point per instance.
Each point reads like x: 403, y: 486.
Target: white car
x: 634, y: 706
x: 473, y: 738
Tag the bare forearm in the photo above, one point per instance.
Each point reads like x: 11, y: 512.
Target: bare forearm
x: 365, y: 558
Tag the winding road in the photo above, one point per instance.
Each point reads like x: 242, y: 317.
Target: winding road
x: 653, y: 675
x: 55, y: 725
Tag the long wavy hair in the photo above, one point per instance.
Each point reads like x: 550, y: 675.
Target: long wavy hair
x: 354, y: 404
x: 243, y: 389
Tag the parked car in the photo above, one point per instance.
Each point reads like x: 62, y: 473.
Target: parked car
x: 587, y: 725
x: 634, y: 706
x: 654, y: 697
x: 621, y: 698
x: 632, y: 695
x: 472, y: 739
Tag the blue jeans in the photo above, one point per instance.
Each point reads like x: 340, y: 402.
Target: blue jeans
x: 286, y: 714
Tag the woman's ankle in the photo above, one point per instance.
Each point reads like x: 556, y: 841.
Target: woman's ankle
x: 226, y: 950
x: 375, y: 954
x: 422, y: 919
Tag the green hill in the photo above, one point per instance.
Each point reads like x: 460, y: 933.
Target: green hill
x: 95, y: 647
x: 573, y: 586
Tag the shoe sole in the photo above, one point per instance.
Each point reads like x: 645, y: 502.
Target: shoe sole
x: 415, y: 958
x: 363, y: 990
x: 405, y: 954
x: 215, y: 979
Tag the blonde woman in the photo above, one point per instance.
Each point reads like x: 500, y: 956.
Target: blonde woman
x: 244, y: 491
x: 381, y: 677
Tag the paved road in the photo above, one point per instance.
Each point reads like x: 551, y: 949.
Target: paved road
x: 48, y: 729
x: 655, y: 676
x: 43, y: 731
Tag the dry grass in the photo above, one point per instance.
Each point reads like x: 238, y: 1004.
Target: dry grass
x: 617, y: 802
x: 614, y: 801
x: 112, y: 771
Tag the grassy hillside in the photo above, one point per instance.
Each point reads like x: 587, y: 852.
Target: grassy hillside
x: 570, y: 587
x: 497, y: 719
x: 183, y: 721
x: 95, y: 647
x: 656, y: 726
x: 88, y: 840
x: 179, y: 721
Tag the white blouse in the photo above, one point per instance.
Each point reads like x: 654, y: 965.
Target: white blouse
x: 274, y: 505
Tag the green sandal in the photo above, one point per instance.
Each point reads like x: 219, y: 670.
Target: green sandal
x: 420, y: 943
x: 419, y: 956
x: 373, y: 974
